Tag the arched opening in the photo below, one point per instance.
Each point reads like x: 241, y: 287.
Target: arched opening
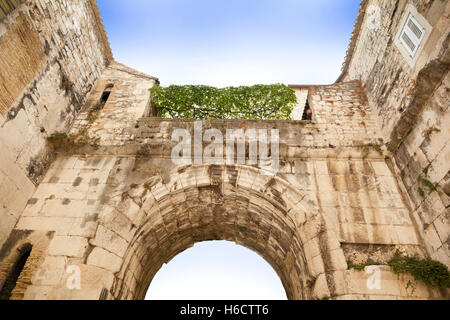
x: 216, y: 270
x: 106, y: 93
x: 206, y: 203
x: 15, y: 272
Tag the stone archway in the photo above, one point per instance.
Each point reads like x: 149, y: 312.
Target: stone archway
x: 234, y: 203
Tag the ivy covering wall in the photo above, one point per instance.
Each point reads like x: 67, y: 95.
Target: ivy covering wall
x: 266, y: 102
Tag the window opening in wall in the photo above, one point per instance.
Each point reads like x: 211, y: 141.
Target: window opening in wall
x: 307, y: 113
x: 106, y: 93
x: 412, y: 35
x: 14, y: 274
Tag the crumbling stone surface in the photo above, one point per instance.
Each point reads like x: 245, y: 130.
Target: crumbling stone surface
x: 52, y: 53
x: 121, y: 210
x: 411, y: 102
x: 118, y: 208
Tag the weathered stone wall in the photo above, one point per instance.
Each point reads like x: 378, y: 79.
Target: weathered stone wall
x: 121, y: 209
x: 119, y: 218
x: 51, y: 53
x: 118, y: 208
x: 411, y: 101
x: 8, y: 6
x: 424, y: 157
x: 128, y: 102
x: 388, y: 79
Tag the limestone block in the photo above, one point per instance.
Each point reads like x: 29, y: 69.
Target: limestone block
x: 442, y: 226
x: 104, y: 259
x: 101, y: 175
x: 91, y: 276
x: 432, y: 240
x: 339, y: 279
x: 68, y: 246
x: 380, y: 168
x: 431, y: 208
x: 320, y: 289
x: 63, y: 162
x: 316, y: 266
x: 33, y: 207
x: 35, y: 292
x: 413, y: 289
x: 6, y: 225
x: 436, y: 144
x: 325, y: 183
x: 66, y: 208
x: 328, y: 198
x: 406, y: 235
x: 110, y: 241
x: 387, y: 184
x: 114, y: 220
x: 159, y: 191
x: 338, y: 167
x: 50, y: 272
x: 379, y: 281
x: 312, y: 248
x: 443, y: 254
x: 337, y: 260
x: 441, y: 165
x: 77, y: 192
x: 70, y: 176
x: 86, y: 293
x: 321, y: 167
x: 129, y: 208
x: 81, y: 228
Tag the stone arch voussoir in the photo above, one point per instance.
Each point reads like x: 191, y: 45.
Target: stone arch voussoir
x: 236, y: 203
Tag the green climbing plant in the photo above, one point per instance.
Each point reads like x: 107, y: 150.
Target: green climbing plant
x: 431, y: 272
x: 267, y: 102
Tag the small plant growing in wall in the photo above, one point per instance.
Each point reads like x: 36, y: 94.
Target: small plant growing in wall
x: 366, y: 148
x: 425, y: 182
x: 431, y: 272
x: 61, y: 141
x: 94, y: 112
x: 428, y: 132
x: 421, y: 192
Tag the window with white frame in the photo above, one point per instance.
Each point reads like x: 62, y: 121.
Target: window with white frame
x: 412, y: 35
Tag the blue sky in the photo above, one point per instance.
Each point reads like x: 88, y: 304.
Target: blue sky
x: 231, y: 42
x: 216, y: 270
x: 223, y: 43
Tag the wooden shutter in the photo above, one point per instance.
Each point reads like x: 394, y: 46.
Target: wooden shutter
x: 412, y: 35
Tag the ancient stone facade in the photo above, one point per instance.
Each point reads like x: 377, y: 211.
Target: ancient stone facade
x: 412, y: 102
x: 116, y: 209
x: 51, y: 54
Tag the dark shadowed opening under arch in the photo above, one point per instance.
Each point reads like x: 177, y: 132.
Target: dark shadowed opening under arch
x: 14, y: 274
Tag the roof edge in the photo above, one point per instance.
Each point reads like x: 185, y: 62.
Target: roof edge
x: 124, y: 68
x: 303, y: 86
x: 353, y: 39
x: 101, y: 30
